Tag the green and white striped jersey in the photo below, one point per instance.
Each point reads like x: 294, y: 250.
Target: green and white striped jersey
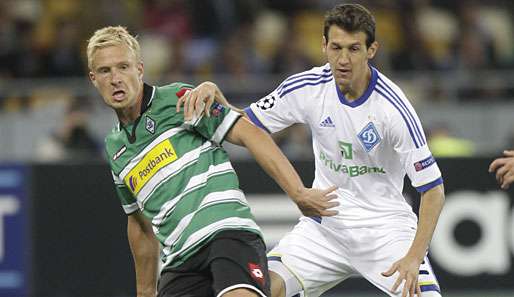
x: 177, y: 174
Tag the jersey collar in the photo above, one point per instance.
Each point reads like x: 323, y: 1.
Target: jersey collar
x: 364, y: 96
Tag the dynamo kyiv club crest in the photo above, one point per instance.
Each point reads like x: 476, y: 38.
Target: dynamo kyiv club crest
x: 369, y: 137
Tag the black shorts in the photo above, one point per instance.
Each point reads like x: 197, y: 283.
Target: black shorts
x: 233, y: 259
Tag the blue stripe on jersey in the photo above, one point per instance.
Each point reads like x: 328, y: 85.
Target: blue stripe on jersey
x: 433, y: 287
x: 274, y: 258
x: 254, y: 119
x: 401, y: 113
x: 305, y: 84
x: 412, y: 119
x: 305, y: 77
x: 324, y: 70
x: 430, y: 185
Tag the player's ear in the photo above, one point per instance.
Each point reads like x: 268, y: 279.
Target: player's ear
x: 324, y: 45
x: 140, y: 70
x: 372, y: 50
x: 92, y: 77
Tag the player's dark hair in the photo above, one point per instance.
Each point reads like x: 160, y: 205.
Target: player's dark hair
x: 351, y: 18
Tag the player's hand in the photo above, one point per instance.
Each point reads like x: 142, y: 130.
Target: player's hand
x: 408, y: 272
x: 504, y: 168
x: 316, y: 202
x: 198, y: 100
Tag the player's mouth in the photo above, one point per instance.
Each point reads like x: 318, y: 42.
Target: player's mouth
x: 344, y: 72
x: 118, y: 95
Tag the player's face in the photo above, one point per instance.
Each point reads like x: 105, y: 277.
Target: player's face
x: 348, y: 57
x: 118, y: 76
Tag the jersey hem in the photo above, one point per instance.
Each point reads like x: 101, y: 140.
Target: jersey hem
x: 430, y: 185
x: 254, y: 119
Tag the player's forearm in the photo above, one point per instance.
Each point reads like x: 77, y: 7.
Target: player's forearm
x: 220, y: 98
x: 273, y: 161
x: 145, y: 251
x: 431, y: 205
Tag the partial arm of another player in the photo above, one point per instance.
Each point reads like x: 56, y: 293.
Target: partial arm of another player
x: 504, y: 168
x: 408, y: 267
x: 206, y: 92
x: 312, y: 202
x: 145, y: 251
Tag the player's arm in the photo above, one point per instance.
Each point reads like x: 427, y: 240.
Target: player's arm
x: 408, y: 267
x: 312, y: 202
x: 145, y: 250
x: 429, y: 210
x: 201, y: 98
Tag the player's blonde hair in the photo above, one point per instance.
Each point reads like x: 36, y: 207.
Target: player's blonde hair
x: 111, y: 36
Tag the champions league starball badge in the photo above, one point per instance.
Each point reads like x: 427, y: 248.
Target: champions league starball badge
x: 266, y: 102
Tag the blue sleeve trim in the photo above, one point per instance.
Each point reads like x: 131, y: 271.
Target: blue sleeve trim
x: 254, y: 119
x: 430, y: 185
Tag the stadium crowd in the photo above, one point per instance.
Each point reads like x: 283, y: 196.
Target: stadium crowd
x: 237, y: 42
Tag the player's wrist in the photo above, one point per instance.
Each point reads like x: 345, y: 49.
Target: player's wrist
x: 298, y: 193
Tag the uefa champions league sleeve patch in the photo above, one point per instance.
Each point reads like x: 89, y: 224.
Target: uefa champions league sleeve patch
x: 427, y: 162
x: 267, y: 102
x: 369, y: 137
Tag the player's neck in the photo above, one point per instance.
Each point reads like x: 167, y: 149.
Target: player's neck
x: 357, y: 89
x: 130, y: 114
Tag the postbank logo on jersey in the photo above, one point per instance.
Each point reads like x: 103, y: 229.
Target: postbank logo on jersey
x: 158, y: 157
x: 369, y: 137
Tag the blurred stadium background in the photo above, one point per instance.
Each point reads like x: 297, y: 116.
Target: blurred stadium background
x: 62, y: 232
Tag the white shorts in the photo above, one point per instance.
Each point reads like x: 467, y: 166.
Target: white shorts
x: 313, y: 258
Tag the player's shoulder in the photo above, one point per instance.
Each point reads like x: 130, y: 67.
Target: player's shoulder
x: 387, y: 88
x: 173, y: 90
x: 113, y: 140
x: 310, y: 81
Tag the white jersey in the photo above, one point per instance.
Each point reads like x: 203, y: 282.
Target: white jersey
x: 365, y: 146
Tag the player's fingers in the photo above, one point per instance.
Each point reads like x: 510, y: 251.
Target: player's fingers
x: 508, y: 179
x: 200, y: 102
x: 329, y: 213
x: 411, y: 286
x: 331, y: 204
x: 182, y: 100
x: 329, y: 197
x: 390, y: 271
x: 418, y: 289
x: 500, y: 173
x: 191, y: 104
x: 496, y: 164
x: 508, y: 153
x: 186, y: 103
x: 208, y: 104
x: 329, y: 190
x: 397, y: 283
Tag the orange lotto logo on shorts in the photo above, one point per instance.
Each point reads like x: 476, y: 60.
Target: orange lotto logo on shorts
x: 256, y: 273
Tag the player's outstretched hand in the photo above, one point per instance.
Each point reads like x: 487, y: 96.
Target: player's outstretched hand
x: 504, y: 168
x: 316, y: 202
x: 200, y: 99
x: 408, y: 272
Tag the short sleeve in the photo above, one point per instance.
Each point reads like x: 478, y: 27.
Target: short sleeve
x: 410, y: 143
x: 216, y: 127
x: 128, y: 201
x: 278, y: 110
